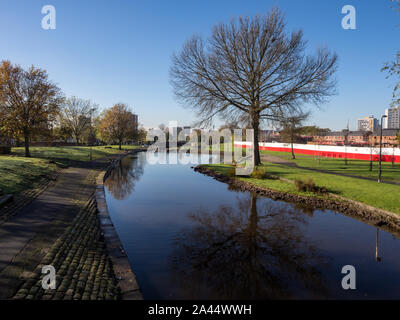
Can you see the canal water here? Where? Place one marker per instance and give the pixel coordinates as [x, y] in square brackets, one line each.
[189, 236]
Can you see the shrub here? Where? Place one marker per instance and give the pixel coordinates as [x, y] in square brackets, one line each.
[5, 149]
[259, 173]
[231, 172]
[308, 185]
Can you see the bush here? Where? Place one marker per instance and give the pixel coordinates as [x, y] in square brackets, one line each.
[231, 172]
[5, 149]
[308, 186]
[259, 173]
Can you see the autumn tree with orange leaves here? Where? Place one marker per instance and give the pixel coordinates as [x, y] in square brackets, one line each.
[29, 101]
[118, 124]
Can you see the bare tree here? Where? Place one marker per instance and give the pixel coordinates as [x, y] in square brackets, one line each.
[393, 68]
[245, 251]
[292, 128]
[396, 5]
[251, 70]
[76, 114]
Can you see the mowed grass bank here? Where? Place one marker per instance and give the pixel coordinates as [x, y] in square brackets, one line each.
[359, 168]
[71, 153]
[18, 173]
[383, 196]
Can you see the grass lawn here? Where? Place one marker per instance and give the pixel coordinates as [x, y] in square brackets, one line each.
[383, 196]
[71, 153]
[358, 168]
[18, 174]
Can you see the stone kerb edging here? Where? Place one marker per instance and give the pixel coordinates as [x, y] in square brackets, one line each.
[126, 278]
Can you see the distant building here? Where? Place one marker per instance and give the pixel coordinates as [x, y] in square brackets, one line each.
[358, 138]
[393, 118]
[368, 124]
[136, 122]
[187, 129]
[269, 136]
[389, 138]
[344, 137]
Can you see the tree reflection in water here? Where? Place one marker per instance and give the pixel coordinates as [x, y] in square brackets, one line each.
[246, 252]
[123, 177]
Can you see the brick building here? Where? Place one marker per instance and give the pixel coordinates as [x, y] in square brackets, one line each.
[358, 138]
[389, 138]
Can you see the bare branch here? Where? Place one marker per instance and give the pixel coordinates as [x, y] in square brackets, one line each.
[250, 69]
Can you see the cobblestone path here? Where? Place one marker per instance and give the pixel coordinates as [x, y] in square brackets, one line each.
[32, 236]
[81, 263]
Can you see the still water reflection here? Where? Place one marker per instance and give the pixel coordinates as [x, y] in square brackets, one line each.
[190, 237]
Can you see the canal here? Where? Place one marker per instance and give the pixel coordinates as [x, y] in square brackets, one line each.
[188, 236]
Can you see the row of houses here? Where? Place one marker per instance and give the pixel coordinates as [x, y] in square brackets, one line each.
[358, 138]
[341, 138]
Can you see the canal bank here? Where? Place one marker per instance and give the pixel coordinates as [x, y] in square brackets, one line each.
[385, 220]
[60, 228]
[126, 279]
[191, 237]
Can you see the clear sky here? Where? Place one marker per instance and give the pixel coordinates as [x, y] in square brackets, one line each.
[120, 50]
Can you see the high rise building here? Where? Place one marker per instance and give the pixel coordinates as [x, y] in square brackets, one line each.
[393, 118]
[367, 124]
[135, 122]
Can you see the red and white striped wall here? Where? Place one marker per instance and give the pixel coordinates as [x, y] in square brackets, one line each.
[360, 153]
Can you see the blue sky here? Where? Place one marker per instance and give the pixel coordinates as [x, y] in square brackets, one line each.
[120, 51]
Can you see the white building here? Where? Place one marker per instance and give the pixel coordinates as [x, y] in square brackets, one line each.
[393, 118]
[368, 124]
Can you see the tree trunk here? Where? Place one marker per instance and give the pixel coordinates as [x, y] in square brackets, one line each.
[255, 124]
[120, 145]
[26, 137]
[291, 142]
[293, 155]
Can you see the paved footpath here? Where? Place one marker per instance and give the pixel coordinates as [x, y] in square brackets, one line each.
[26, 237]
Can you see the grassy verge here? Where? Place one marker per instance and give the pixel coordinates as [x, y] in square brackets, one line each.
[383, 196]
[63, 155]
[18, 173]
[359, 168]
